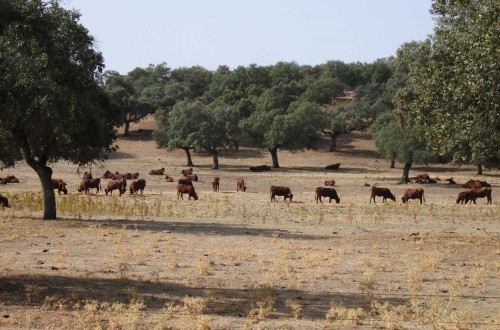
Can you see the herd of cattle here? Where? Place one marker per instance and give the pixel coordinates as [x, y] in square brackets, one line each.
[118, 181]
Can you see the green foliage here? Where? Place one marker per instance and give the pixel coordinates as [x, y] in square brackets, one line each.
[455, 77]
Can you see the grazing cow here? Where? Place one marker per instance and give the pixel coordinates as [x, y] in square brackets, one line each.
[60, 185]
[87, 175]
[86, 185]
[4, 201]
[240, 185]
[185, 189]
[161, 171]
[383, 192]
[281, 191]
[413, 194]
[107, 175]
[191, 177]
[120, 184]
[185, 182]
[215, 183]
[187, 171]
[465, 196]
[136, 186]
[169, 178]
[260, 168]
[332, 167]
[330, 183]
[481, 193]
[326, 192]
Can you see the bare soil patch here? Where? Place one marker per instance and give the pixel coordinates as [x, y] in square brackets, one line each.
[237, 260]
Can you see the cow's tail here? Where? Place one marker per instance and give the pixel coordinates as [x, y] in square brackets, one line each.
[423, 195]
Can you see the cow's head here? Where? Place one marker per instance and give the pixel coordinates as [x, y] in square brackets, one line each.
[290, 195]
[403, 199]
[62, 187]
[337, 200]
[393, 198]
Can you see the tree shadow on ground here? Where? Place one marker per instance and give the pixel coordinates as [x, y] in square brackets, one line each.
[32, 291]
[190, 227]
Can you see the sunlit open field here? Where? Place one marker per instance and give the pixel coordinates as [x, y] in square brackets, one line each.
[238, 260]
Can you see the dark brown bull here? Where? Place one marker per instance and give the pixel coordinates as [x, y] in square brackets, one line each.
[185, 182]
[86, 185]
[107, 175]
[413, 194]
[215, 183]
[11, 179]
[240, 185]
[187, 171]
[161, 171]
[281, 191]
[4, 201]
[481, 193]
[120, 185]
[60, 185]
[136, 186]
[383, 192]
[466, 196]
[330, 183]
[169, 178]
[260, 168]
[332, 167]
[185, 189]
[326, 192]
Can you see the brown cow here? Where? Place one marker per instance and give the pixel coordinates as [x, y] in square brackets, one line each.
[161, 171]
[185, 189]
[421, 178]
[4, 201]
[169, 178]
[187, 171]
[450, 180]
[185, 182]
[281, 191]
[87, 175]
[3, 180]
[191, 177]
[481, 193]
[107, 175]
[332, 167]
[383, 192]
[11, 179]
[60, 185]
[86, 185]
[134, 175]
[326, 192]
[413, 194]
[120, 184]
[475, 184]
[260, 168]
[136, 186]
[215, 183]
[465, 196]
[330, 183]
[240, 185]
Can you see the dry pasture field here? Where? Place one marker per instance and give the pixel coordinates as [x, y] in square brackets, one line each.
[237, 260]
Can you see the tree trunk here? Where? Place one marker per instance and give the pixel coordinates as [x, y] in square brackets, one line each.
[393, 162]
[188, 156]
[215, 157]
[127, 127]
[49, 198]
[479, 169]
[406, 173]
[333, 144]
[274, 156]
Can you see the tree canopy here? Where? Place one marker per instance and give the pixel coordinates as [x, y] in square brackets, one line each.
[51, 104]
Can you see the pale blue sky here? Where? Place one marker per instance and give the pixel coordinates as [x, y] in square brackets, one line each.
[135, 33]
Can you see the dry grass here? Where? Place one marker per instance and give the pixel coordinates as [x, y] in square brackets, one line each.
[236, 260]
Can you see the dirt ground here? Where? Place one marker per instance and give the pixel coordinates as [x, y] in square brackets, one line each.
[237, 260]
